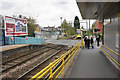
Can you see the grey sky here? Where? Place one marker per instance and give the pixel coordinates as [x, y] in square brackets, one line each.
[46, 12]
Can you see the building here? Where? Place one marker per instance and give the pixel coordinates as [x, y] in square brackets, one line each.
[98, 27]
[38, 31]
[49, 32]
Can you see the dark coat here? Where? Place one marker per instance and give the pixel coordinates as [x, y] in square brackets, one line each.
[92, 40]
[97, 38]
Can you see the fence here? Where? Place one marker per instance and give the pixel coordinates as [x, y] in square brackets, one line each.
[2, 37]
[58, 66]
[21, 40]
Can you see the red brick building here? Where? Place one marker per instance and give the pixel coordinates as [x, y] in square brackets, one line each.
[98, 26]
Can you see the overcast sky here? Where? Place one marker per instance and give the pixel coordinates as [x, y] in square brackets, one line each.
[46, 12]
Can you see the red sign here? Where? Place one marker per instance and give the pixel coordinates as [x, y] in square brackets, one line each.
[15, 26]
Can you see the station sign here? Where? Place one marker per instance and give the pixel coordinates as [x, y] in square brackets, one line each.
[15, 26]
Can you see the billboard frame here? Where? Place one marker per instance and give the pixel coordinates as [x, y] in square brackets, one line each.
[14, 31]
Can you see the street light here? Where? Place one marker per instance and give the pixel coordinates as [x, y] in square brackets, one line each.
[69, 29]
[61, 25]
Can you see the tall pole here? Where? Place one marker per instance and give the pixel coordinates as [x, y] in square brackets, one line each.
[69, 29]
[86, 27]
[79, 27]
[89, 26]
[61, 25]
[103, 32]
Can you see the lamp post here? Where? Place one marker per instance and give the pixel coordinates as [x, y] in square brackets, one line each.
[61, 25]
[89, 26]
[69, 29]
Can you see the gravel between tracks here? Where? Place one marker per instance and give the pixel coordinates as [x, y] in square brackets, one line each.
[19, 70]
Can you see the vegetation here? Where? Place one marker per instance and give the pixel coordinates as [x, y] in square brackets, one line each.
[76, 23]
[90, 32]
[31, 26]
[66, 26]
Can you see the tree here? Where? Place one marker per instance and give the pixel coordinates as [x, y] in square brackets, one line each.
[76, 23]
[92, 29]
[66, 27]
[31, 26]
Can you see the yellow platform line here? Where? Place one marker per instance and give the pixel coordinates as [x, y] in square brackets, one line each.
[111, 50]
[110, 57]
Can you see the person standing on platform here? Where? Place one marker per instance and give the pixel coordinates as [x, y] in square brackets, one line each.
[85, 40]
[83, 43]
[88, 42]
[92, 42]
[97, 39]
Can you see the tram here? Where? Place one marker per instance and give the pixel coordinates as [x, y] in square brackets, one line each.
[79, 33]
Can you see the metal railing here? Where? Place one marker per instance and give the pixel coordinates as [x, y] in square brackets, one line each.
[54, 69]
[109, 55]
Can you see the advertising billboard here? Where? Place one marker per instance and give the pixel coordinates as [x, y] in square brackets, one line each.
[15, 26]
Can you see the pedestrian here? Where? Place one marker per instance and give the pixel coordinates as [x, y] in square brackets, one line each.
[97, 39]
[85, 40]
[99, 36]
[88, 42]
[91, 41]
[83, 43]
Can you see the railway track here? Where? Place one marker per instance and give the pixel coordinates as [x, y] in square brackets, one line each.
[23, 66]
[27, 75]
[6, 57]
[10, 64]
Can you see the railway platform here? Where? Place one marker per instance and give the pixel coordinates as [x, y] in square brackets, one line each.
[82, 63]
[8, 47]
[92, 63]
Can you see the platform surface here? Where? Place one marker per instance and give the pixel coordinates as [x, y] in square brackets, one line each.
[92, 63]
[63, 42]
[8, 47]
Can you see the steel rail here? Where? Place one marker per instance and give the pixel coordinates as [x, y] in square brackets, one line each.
[39, 64]
[5, 70]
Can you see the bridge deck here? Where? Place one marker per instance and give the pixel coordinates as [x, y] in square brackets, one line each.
[91, 63]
